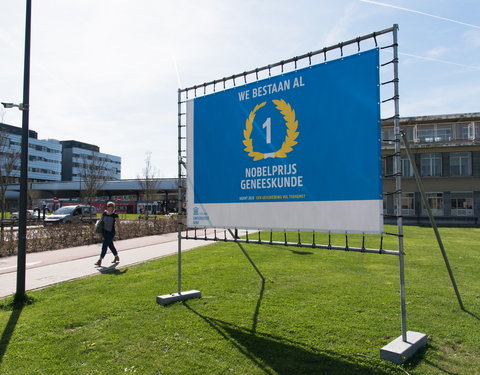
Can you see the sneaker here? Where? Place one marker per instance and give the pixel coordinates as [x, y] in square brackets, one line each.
[116, 260]
[98, 263]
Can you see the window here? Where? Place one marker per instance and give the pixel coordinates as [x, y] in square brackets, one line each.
[463, 131]
[444, 133]
[431, 164]
[387, 135]
[409, 131]
[433, 133]
[388, 165]
[435, 200]
[462, 204]
[5, 141]
[460, 164]
[407, 169]
[408, 204]
[426, 133]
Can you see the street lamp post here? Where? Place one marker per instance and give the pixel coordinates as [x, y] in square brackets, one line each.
[22, 214]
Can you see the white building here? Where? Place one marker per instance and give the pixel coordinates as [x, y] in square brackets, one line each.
[77, 155]
[53, 160]
[44, 156]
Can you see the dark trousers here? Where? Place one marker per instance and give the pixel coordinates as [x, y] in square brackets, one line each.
[108, 243]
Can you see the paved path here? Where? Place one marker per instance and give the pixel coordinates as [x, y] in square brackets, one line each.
[51, 267]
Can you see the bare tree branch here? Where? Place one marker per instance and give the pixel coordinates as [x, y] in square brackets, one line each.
[148, 181]
[2, 114]
[9, 169]
[93, 175]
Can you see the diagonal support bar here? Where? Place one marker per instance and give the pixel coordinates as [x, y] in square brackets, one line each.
[430, 216]
[248, 256]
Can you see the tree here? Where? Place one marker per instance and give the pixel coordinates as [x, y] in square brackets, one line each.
[2, 114]
[9, 169]
[93, 172]
[148, 181]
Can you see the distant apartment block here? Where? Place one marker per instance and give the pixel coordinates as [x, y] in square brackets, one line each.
[446, 152]
[45, 156]
[53, 160]
[76, 155]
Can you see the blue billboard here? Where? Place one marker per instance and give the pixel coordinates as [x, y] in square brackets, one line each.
[297, 141]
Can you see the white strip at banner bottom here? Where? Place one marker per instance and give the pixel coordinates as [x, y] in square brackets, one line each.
[363, 216]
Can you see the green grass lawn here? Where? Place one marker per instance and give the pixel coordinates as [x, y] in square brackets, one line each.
[319, 312]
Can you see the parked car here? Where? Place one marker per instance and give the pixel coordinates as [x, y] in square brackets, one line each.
[71, 214]
[31, 214]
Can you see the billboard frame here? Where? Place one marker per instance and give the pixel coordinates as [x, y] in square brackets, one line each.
[409, 341]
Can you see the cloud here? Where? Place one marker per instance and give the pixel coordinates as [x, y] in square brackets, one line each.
[437, 52]
[421, 13]
[107, 72]
[453, 63]
[472, 37]
[439, 100]
[342, 27]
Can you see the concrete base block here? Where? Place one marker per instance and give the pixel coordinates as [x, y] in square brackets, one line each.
[399, 351]
[175, 297]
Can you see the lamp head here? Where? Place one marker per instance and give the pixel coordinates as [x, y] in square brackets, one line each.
[21, 106]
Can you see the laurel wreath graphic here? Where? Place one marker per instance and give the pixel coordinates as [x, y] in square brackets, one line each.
[292, 134]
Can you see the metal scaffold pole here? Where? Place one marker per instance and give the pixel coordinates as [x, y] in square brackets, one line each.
[180, 296]
[398, 185]
[405, 346]
[179, 196]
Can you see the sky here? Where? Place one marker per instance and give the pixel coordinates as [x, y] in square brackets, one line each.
[107, 72]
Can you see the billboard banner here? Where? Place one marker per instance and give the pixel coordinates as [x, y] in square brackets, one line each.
[299, 150]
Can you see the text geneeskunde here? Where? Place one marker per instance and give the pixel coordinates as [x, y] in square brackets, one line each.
[269, 177]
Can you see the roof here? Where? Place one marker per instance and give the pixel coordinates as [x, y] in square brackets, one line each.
[72, 189]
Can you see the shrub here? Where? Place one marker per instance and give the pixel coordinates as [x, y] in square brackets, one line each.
[69, 235]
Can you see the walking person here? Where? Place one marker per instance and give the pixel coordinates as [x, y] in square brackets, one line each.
[111, 222]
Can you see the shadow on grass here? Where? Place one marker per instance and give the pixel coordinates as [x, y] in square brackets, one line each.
[112, 270]
[16, 306]
[279, 355]
[440, 369]
[257, 307]
[420, 357]
[300, 252]
[297, 252]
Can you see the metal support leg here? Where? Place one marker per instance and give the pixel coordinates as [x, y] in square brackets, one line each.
[432, 219]
[179, 266]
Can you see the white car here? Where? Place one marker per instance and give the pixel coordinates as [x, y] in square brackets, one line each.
[71, 214]
[31, 214]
